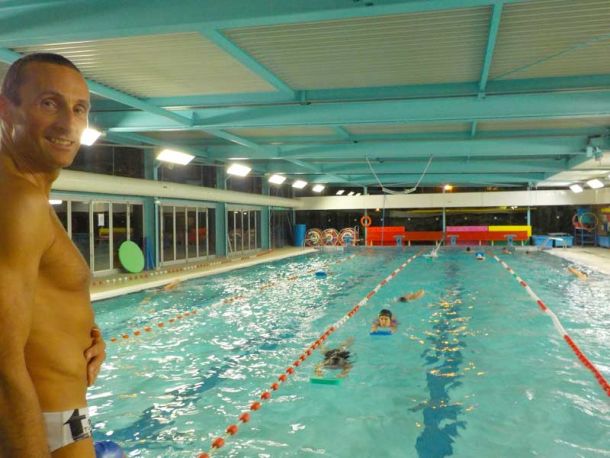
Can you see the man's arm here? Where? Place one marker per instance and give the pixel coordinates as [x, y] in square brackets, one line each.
[24, 237]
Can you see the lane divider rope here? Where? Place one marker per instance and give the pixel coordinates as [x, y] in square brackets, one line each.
[245, 417]
[560, 329]
[165, 324]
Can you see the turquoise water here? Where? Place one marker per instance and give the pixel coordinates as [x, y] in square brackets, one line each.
[475, 369]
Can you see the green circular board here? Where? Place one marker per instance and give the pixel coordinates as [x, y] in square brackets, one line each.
[131, 257]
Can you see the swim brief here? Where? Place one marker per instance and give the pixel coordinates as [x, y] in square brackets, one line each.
[64, 428]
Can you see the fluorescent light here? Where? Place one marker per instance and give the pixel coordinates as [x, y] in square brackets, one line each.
[318, 188]
[175, 157]
[239, 170]
[340, 192]
[56, 201]
[277, 179]
[358, 194]
[351, 193]
[595, 183]
[299, 184]
[448, 187]
[576, 188]
[89, 136]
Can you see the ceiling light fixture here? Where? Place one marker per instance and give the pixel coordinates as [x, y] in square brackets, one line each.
[595, 183]
[175, 157]
[576, 188]
[238, 169]
[277, 179]
[318, 188]
[56, 201]
[340, 192]
[89, 136]
[351, 193]
[299, 184]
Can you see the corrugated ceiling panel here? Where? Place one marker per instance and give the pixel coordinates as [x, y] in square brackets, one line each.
[548, 38]
[366, 129]
[418, 48]
[160, 66]
[284, 132]
[537, 124]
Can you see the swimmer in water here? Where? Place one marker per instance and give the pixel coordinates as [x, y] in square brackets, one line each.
[385, 320]
[336, 358]
[506, 250]
[578, 273]
[412, 296]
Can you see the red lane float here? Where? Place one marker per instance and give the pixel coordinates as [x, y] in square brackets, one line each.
[560, 329]
[266, 395]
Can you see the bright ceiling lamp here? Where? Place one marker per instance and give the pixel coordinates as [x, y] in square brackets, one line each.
[175, 157]
[299, 184]
[238, 169]
[351, 193]
[56, 201]
[318, 188]
[447, 187]
[89, 136]
[595, 183]
[358, 194]
[340, 192]
[576, 188]
[277, 179]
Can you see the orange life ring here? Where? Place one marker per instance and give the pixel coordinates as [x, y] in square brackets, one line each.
[365, 220]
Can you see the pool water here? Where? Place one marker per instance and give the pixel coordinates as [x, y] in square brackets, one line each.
[475, 368]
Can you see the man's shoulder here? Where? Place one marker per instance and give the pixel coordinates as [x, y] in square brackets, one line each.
[19, 196]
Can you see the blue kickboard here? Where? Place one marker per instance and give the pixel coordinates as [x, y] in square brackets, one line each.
[380, 332]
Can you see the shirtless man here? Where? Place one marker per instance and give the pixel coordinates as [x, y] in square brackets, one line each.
[50, 348]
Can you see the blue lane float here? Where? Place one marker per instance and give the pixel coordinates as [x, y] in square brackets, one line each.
[321, 274]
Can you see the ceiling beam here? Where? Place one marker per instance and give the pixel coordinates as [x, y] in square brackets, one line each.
[450, 109]
[494, 26]
[514, 147]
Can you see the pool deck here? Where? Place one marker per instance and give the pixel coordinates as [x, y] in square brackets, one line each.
[595, 258]
[123, 283]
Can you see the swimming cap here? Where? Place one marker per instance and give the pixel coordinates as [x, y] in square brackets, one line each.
[108, 449]
[385, 312]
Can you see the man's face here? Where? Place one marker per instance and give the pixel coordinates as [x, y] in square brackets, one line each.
[45, 127]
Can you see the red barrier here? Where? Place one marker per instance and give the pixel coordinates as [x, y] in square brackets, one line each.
[378, 235]
[424, 236]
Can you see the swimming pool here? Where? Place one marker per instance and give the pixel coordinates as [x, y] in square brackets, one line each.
[475, 368]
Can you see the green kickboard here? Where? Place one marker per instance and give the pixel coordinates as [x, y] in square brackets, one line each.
[131, 257]
[325, 381]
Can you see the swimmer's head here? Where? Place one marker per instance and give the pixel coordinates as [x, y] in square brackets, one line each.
[385, 318]
[467, 248]
[402, 298]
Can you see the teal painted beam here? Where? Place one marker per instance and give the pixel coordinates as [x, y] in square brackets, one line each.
[452, 177]
[390, 92]
[492, 35]
[447, 166]
[473, 129]
[518, 147]
[218, 38]
[54, 21]
[313, 168]
[457, 109]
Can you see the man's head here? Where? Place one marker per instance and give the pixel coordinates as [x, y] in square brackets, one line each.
[44, 106]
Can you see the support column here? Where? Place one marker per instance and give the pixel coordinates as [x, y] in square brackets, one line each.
[265, 220]
[151, 215]
[221, 217]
